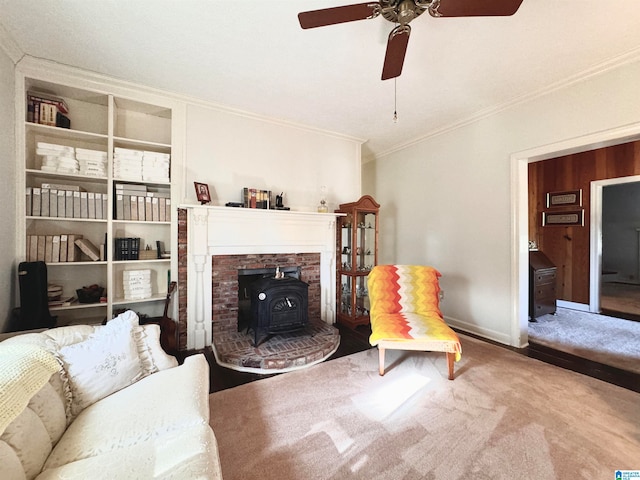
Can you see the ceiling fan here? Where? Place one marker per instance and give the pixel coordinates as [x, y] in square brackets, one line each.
[401, 12]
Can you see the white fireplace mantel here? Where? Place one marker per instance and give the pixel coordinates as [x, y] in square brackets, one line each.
[227, 231]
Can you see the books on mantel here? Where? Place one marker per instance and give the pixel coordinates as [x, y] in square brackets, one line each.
[255, 198]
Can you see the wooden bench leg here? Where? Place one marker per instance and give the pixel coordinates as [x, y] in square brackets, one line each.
[451, 357]
[381, 360]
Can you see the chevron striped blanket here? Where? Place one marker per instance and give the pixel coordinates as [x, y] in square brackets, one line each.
[405, 308]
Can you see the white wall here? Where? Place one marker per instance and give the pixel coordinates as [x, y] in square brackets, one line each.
[445, 201]
[8, 274]
[229, 151]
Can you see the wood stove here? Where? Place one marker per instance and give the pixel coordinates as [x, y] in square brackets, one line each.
[278, 305]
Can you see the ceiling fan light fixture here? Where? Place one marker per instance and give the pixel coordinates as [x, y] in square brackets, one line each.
[406, 12]
[401, 12]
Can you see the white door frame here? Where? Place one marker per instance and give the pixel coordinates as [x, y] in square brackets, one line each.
[595, 240]
[520, 212]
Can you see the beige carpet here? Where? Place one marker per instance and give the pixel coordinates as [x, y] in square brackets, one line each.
[505, 416]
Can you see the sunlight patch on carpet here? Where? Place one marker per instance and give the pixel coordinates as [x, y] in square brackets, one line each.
[361, 462]
[384, 400]
[340, 438]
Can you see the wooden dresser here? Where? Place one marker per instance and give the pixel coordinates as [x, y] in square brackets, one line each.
[542, 285]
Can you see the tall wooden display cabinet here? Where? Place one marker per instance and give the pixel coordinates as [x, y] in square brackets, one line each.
[356, 254]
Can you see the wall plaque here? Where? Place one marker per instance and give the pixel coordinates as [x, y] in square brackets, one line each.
[568, 218]
[570, 198]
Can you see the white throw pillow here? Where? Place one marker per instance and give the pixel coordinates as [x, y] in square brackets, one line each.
[107, 361]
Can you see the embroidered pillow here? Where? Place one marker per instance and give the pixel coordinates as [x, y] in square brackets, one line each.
[107, 361]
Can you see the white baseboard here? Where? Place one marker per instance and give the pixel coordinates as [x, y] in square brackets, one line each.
[572, 305]
[499, 337]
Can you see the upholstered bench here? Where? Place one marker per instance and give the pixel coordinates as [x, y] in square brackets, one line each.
[405, 312]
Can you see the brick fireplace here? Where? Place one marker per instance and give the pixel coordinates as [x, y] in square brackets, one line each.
[215, 242]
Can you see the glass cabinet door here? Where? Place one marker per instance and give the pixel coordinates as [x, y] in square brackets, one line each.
[345, 242]
[344, 294]
[366, 241]
[362, 297]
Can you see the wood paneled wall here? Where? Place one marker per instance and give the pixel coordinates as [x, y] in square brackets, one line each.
[568, 247]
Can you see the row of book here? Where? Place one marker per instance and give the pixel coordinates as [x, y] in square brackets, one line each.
[255, 198]
[62, 248]
[65, 159]
[141, 165]
[65, 201]
[134, 202]
[47, 109]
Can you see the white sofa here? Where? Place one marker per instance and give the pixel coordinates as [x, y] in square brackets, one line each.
[103, 402]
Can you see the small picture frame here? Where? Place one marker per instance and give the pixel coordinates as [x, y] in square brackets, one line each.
[567, 218]
[202, 192]
[569, 198]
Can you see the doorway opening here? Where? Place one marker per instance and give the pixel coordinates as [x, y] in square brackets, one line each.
[520, 212]
[615, 252]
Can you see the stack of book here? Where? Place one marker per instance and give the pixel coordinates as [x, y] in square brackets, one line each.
[127, 163]
[127, 248]
[136, 284]
[69, 160]
[93, 163]
[57, 158]
[155, 167]
[54, 292]
[56, 298]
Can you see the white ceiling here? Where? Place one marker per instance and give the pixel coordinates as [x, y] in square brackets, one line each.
[253, 56]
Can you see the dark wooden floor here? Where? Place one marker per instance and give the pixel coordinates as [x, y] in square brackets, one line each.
[607, 373]
[354, 341]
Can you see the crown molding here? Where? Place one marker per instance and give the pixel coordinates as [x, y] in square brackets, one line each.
[272, 120]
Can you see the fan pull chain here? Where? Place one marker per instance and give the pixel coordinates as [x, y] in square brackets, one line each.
[395, 100]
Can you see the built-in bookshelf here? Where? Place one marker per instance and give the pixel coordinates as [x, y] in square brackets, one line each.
[89, 156]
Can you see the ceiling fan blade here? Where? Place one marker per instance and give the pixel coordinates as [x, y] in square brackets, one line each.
[396, 50]
[480, 8]
[331, 16]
